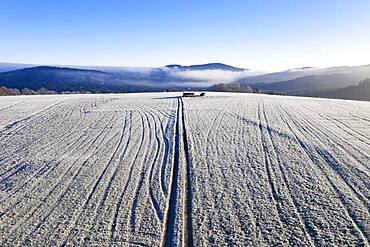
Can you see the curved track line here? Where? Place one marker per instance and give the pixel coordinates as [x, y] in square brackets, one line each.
[358, 226]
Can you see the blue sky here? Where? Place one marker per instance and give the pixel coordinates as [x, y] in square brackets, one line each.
[257, 34]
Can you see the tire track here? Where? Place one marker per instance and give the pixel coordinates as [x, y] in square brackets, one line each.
[56, 186]
[99, 179]
[44, 219]
[153, 200]
[337, 143]
[337, 122]
[130, 214]
[9, 106]
[140, 184]
[44, 150]
[44, 170]
[26, 147]
[187, 204]
[172, 204]
[360, 228]
[270, 180]
[171, 116]
[343, 171]
[161, 149]
[70, 235]
[305, 226]
[120, 200]
[170, 213]
[13, 126]
[165, 158]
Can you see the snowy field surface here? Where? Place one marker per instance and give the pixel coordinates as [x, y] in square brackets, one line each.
[159, 170]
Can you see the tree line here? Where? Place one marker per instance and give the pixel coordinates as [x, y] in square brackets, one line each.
[4, 91]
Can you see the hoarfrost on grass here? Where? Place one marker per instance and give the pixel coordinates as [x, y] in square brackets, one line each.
[253, 170]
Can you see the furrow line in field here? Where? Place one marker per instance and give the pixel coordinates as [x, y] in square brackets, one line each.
[337, 123]
[358, 117]
[52, 209]
[41, 149]
[26, 147]
[155, 109]
[162, 149]
[10, 127]
[355, 219]
[128, 180]
[67, 171]
[168, 130]
[343, 172]
[41, 171]
[159, 147]
[270, 180]
[9, 106]
[164, 162]
[44, 170]
[153, 200]
[305, 227]
[187, 197]
[139, 193]
[213, 129]
[170, 212]
[238, 134]
[144, 163]
[112, 178]
[102, 174]
[21, 148]
[345, 129]
[107, 189]
[338, 144]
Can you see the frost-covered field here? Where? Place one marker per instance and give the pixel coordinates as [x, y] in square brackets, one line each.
[155, 169]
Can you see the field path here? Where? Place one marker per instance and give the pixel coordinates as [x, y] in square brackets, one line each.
[181, 163]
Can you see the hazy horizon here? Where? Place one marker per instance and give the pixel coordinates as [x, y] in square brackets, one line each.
[255, 70]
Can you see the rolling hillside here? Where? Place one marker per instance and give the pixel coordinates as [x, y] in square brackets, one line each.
[313, 83]
[359, 92]
[68, 79]
[304, 81]
[208, 66]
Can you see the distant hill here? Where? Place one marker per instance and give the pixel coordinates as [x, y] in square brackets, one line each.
[291, 74]
[307, 81]
[4, 67]
[113, 79]
[208, 66]
[313, 83]
[67, 79]
[359, 92]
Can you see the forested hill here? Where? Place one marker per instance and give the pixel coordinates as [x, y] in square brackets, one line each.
[360, 92]
[67, 79]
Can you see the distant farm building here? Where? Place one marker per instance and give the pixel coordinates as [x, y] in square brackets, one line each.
[187, 94]
[191, 94]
